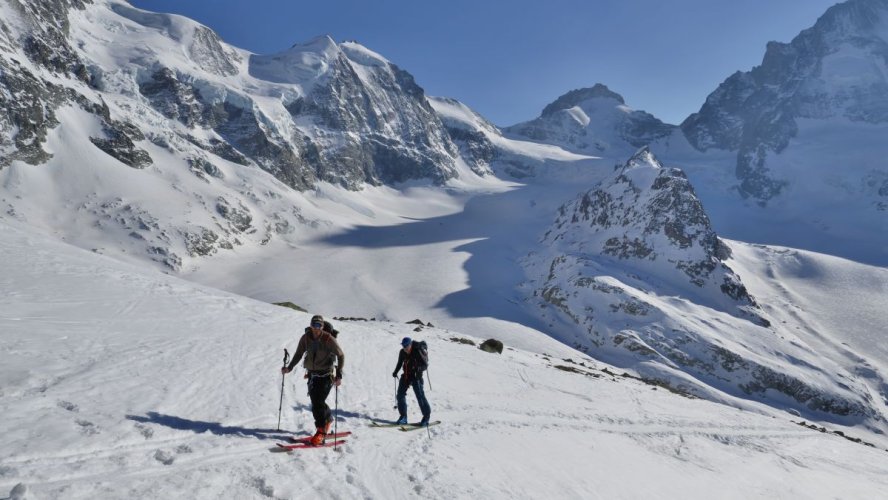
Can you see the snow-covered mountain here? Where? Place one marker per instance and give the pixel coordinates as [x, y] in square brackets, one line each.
[317, 111]
[650, 217]
[595, 121]
[791, 152]
[487, 149]
[118, 382]
[828, 84]
[806, 135]
[633, 271]
[132, 115]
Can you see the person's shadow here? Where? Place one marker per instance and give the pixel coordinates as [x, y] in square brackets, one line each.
[199, 427]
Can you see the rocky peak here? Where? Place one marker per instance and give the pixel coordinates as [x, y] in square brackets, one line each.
[829, 71]
[578, 96]
[354, 118]
[852, 18]
[593, 120]
[650, 216]
[641, 159]
[633, 270]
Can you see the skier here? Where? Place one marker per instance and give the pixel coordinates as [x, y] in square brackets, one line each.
[411, 358]
[320, 349]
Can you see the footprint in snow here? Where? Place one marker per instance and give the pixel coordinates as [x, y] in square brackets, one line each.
[145, 431]
[264, 488]
[88, 428]
[67, 405]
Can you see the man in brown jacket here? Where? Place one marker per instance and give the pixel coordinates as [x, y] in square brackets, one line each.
[320, 350]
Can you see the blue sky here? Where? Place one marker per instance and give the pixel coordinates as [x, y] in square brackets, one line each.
[507, 59]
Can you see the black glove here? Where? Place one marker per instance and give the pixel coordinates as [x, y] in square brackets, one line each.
[395, 374]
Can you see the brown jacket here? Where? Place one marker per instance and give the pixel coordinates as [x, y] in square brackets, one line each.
[319, 354]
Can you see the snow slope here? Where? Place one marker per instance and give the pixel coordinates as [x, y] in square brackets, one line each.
[121, 383]
[632, 272]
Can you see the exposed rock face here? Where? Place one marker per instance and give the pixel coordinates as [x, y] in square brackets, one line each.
[633, 271]
[238, 217]
[593, 120]
[650, 217]
[127, 87]
[486, 150]
[46, 41]
[471, 137]
[119, 144]
[29, 104]
[350, 116]
[388, 131]
[828, 72]
[208, 50]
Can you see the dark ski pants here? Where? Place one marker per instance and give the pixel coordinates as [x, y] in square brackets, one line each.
[417, 384]
[318, 389]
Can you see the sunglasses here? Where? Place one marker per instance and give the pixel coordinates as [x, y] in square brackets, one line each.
[317, 325]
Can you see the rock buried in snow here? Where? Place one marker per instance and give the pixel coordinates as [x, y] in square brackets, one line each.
[19, 492]
[492, 346]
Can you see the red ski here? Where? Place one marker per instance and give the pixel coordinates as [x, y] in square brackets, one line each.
[305, 439]
[301, 446]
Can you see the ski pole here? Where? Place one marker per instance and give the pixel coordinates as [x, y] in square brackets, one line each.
[429, 431]
[281, 407]
[335, 423]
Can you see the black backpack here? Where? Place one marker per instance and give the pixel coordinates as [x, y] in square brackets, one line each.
[421, 358]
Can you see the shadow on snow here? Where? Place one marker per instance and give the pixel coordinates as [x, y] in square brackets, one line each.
[199, 427]
[502, 238]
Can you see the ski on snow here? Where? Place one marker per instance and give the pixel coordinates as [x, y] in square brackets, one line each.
[403, 427]
[305, 439]
[416, 427]
[302, 446]
[384, 423]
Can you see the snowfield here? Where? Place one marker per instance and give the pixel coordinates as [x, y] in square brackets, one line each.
[119, 382]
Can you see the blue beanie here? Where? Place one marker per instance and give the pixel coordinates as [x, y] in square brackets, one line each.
[406, 341]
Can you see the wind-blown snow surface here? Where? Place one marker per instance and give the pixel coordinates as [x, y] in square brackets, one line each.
[118, 382]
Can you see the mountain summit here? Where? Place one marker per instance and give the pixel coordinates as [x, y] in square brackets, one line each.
[174, 129]
[633, 271]
[825, 91]
[648, 218]
[319, 111]
[593, 120]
